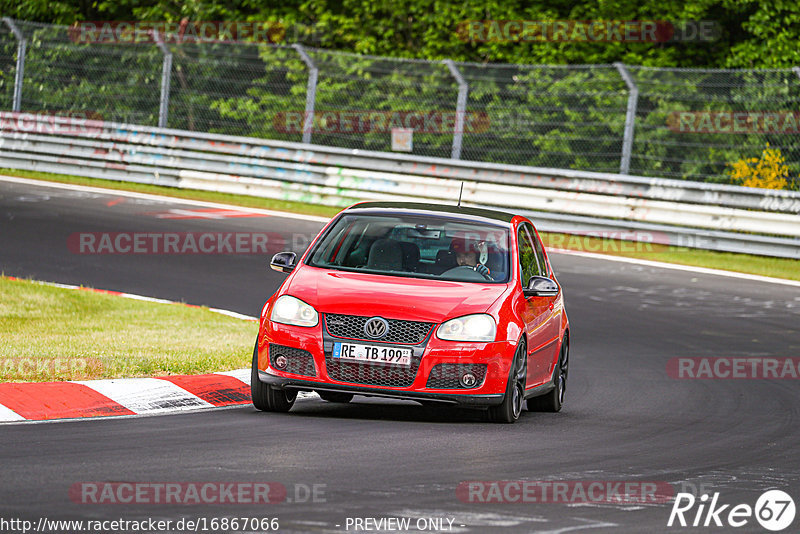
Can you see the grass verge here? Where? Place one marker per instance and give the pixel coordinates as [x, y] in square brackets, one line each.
[49, 333]
[743, 263]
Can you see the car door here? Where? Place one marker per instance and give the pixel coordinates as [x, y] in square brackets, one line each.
[538, 311]
[555, 304]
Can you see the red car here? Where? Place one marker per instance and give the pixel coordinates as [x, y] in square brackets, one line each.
[425, 302]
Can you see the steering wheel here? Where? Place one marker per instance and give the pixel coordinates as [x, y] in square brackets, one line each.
[464, 270]
[486, 274]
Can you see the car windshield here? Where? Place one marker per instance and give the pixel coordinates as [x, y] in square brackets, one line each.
[436, 247]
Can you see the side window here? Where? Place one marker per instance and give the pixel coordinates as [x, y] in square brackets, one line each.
[527, 256]
[539, 252]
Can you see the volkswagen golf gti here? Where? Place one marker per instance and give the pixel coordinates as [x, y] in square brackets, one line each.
[432, 303]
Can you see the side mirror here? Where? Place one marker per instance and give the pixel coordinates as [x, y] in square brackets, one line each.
[283, 262]
[541, 286]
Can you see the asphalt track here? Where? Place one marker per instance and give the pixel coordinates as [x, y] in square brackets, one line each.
[624, 417]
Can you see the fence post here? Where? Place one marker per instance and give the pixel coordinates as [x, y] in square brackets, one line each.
[630, 118]
[166, 76]
[796, 71]
[311, 92]
[461, 108]
[22, 46]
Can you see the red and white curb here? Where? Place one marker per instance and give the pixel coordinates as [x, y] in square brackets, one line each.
[40, 401]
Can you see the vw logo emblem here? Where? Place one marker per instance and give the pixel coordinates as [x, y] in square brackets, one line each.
[376, 327]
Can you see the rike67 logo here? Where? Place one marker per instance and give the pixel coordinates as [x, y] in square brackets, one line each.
[774, 510]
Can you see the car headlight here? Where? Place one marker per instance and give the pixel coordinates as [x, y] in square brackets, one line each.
[291, 310]
[478, 327]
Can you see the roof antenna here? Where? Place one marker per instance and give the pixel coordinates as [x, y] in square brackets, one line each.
[460, 193]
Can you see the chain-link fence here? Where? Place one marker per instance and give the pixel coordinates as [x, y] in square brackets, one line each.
[730, 115]
[677, 123]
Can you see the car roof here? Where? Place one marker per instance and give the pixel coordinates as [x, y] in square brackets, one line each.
[420, 207]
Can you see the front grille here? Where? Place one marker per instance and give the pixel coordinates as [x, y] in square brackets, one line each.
[299, 362]
[447, 375]
[372, 374]
[352, 327]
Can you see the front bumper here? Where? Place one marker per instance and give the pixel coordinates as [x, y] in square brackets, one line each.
[462, 399]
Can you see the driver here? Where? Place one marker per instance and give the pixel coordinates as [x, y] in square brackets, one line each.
[467, 255]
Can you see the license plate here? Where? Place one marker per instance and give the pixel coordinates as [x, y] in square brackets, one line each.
[372, 354]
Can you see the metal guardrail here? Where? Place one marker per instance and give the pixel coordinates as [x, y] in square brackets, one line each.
[691, 214]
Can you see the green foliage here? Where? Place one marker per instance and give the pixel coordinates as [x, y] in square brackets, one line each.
[772, 29]
[545, 116]
[754, 33]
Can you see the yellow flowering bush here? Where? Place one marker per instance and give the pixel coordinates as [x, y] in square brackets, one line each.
[767, 172]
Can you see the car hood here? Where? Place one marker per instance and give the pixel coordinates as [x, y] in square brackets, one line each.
[392, 297]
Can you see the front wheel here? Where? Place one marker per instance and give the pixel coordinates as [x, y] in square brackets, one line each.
[554, 400]
[266, 397]
[511, 408]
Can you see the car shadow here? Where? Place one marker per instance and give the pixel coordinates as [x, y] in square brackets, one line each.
[363, 408]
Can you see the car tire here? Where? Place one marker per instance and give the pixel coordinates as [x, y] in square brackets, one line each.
[513, 400]
[554, 400]
[335, 396]
[266, 397]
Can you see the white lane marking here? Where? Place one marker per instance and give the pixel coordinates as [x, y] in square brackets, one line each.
[240, 374]
[130, 296]
[676, 267]
[147, 395]
[472, 519]
[205, 214]
[7, 414]
[234, 314]
[624, 508]
[312, 218]
[174, 200]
